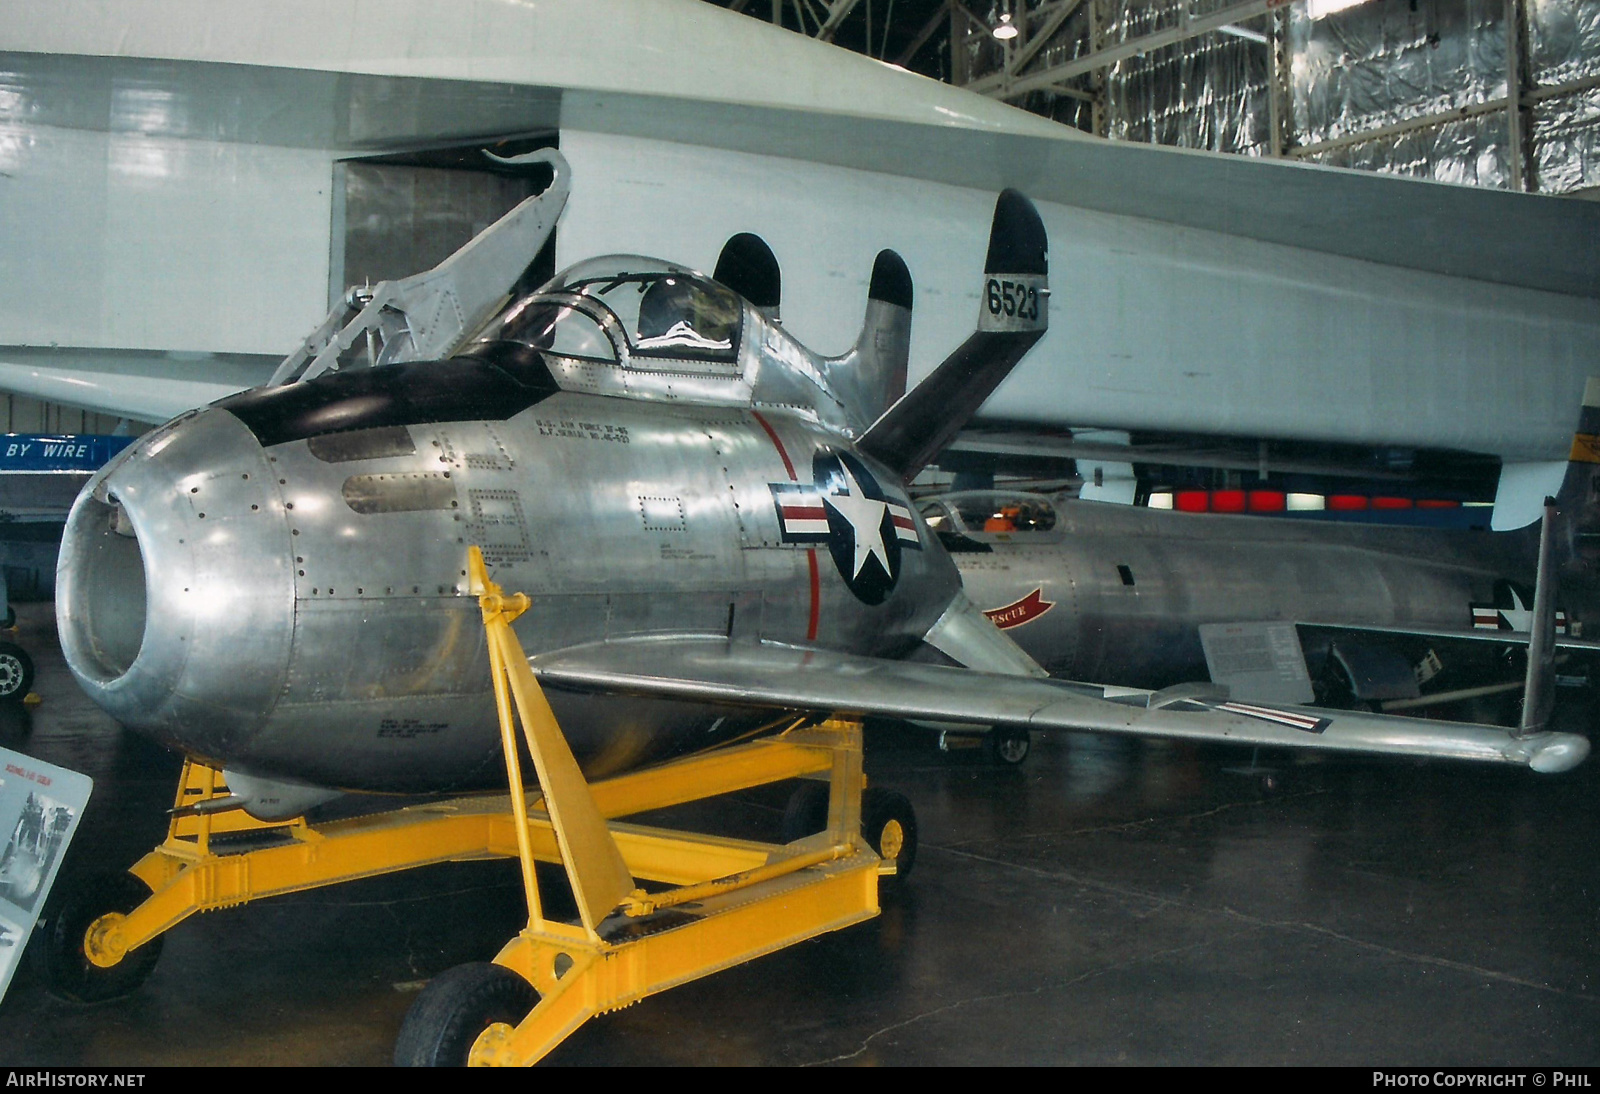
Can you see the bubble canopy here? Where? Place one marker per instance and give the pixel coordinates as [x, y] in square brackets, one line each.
[624, 305]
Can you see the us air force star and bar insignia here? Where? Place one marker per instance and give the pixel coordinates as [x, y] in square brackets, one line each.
[845, 507]
[1511, 610]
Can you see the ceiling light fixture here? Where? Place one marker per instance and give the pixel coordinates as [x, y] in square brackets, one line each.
[1241, 32]
[1007, 30]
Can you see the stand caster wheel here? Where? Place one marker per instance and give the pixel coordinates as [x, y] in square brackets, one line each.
[16, 671]
[455, 1009]
[807, 811]
[889, 825]
[1009, 746]
[59, 943]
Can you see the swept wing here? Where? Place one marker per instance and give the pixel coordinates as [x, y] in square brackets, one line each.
[762, 674]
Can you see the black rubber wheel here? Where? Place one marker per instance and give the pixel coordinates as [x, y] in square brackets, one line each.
[455, 1008]
[1009, 745]
[58, 941]
[16, 671]
[889, 825]
[807, 811]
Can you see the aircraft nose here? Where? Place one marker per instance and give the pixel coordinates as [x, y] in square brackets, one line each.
[176, 570]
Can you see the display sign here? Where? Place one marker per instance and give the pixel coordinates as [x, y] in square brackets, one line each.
[58, 451]
[40, 805]
[1257, 662]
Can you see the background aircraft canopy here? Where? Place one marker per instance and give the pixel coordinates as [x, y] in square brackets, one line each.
[989, 511]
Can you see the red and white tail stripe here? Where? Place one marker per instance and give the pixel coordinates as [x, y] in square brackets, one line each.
[1280, 717]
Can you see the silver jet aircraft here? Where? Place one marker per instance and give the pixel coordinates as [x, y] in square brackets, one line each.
[1281, 610]
[711, 520]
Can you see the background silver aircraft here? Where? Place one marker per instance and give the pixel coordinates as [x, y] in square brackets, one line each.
[710, 518]
[1279, 610]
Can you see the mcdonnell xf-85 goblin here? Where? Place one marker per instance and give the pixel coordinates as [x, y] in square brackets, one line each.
[711, 520]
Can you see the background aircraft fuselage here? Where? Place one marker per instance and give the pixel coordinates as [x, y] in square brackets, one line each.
[1129, 587]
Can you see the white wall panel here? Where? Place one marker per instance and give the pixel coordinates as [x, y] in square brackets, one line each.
[1153, 325]
[125, 241]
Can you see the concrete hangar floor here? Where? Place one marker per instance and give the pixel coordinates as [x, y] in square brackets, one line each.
[1107, 902]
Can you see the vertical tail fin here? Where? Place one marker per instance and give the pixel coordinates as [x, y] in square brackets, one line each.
[748, 267]
[872, 376]
[1011, 318]
[1578, 529]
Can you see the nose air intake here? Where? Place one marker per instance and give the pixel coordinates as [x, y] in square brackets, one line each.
[154, 617]
[103, 578]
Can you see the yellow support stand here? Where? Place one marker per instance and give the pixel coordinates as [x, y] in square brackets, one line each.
[632, 943]
[714, 902]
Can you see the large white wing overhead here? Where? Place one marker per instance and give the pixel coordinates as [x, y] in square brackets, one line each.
[789, 677]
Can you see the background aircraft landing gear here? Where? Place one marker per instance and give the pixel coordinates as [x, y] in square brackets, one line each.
[807, 811]
[16, 671]
[59, 942]
[455, 1009]
[1009, 745]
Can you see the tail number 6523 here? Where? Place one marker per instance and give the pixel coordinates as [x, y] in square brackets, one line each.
[1012, 299]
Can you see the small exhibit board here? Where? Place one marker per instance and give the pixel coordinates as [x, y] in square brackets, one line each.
[40, 805]
[1258, 662]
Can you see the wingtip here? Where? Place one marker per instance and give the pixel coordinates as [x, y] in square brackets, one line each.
[1558, 752]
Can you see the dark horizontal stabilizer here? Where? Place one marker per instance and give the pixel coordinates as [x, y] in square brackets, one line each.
[1011, 318]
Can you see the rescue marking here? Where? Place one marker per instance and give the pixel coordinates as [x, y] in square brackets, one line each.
[1022, 611]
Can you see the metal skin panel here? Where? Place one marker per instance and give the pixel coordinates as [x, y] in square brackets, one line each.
[1190, 569]
[160, 633]
[367, 664]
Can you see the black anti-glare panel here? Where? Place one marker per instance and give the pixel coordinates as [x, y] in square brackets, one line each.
[458, 390]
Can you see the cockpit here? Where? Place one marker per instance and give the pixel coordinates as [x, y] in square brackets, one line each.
[988, 511]
[639, 313]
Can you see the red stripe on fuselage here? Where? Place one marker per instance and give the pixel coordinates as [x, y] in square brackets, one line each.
[816, 595]
[776, 443]
[815, 615]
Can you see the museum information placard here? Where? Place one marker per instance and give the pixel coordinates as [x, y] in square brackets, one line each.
[40, 805]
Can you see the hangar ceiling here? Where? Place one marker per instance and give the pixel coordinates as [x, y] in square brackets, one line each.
[1409, 87]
